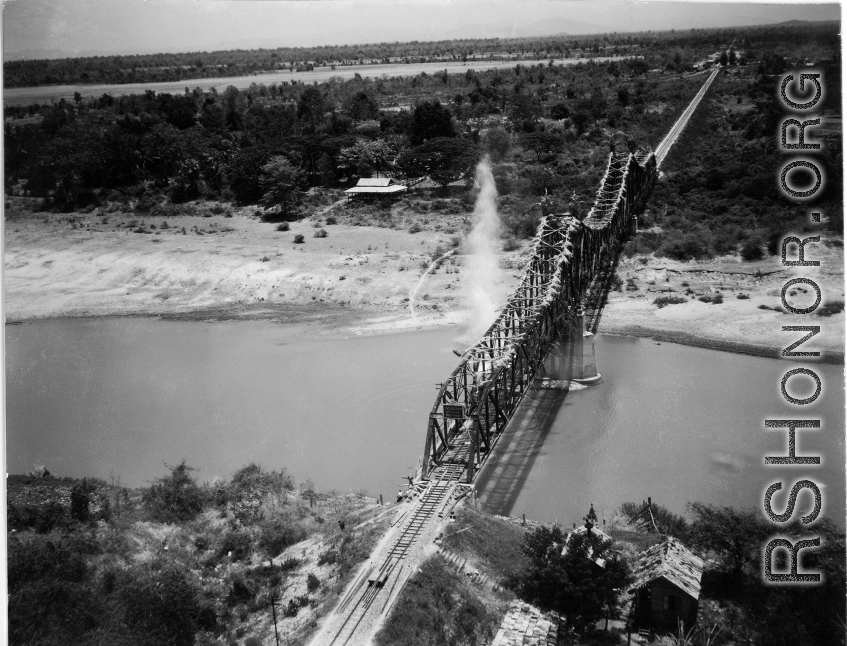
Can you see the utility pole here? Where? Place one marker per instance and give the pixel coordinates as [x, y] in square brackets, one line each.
[273, 610]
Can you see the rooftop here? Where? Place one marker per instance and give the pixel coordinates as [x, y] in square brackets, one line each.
[673, 561]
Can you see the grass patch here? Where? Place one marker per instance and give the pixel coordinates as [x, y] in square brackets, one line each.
[438, 606]
[496, 544]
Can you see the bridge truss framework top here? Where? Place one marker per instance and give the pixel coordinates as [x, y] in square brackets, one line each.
[476, 403]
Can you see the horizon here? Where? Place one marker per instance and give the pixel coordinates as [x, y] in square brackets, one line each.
[48, 29]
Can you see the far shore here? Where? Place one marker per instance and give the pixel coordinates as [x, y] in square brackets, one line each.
[359, 280]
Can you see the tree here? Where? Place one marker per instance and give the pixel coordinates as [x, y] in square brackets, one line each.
[497, 142]
[733, 57]
[734, 535]
[524, 109]
[430, 120]
[444, 159]
[175, 497]
[724, 59]
[573, 584]
[280, 181]
[542, 143]
[361, 106]
[311, 107]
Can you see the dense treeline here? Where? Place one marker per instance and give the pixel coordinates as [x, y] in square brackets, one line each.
[79, 154]
[805, 39]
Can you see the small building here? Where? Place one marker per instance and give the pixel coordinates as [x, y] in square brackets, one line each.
[666, 588]
[376, 187]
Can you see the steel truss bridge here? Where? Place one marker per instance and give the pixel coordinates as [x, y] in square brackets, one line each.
[476, 402]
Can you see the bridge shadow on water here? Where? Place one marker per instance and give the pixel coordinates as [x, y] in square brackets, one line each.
[504, 475]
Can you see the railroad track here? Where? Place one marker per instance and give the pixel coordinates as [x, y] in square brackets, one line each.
[434, 501]
[663, 148]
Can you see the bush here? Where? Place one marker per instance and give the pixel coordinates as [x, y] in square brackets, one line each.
[742, 297]
[716, 299]
[752, 250]
[830, 307]
[321, 233]
[415, 228]
[235, 544]
[288, 564]
[175, 497]
[312, 583]
[664, 301]
[329, 557]
[277, 533]
[330, 219]
[510, 244]
[299, 239]
[283, 226]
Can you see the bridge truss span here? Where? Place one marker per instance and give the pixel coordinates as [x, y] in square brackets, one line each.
[476, 403]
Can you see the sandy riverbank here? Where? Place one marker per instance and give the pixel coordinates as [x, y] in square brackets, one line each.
[359, 279]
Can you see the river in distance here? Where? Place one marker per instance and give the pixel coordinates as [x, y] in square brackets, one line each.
[122, 396]
[47, 93]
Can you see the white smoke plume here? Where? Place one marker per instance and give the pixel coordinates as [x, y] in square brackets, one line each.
[483, 291]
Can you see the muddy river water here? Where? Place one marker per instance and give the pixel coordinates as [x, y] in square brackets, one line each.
[122, 396]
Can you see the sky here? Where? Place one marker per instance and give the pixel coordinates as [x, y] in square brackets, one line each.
[57, 28]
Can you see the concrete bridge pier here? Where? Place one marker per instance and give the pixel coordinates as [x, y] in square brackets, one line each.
[572, 358]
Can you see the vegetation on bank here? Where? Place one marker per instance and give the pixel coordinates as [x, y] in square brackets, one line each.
[178, 562]
[186, 563]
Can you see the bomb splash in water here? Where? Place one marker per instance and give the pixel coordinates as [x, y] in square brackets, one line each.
[483, 284]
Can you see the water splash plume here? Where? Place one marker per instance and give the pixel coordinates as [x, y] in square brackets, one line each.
[483, 285]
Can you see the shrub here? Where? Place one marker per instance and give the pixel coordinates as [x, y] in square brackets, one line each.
[321, 233]
[415, 228]
[299, 239]
[288, 564]
[330, 219]
[752, 250]
[235, 544]
[664, 301]
[830, 307]
[510, 244]
[175, 497]
[328, 557]
[716, 299]
[277, 533]
[312, 583]
[742, 297]
[617, 283]
[283, 226]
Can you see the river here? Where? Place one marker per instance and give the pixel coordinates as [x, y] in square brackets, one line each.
[48, 93]
[94, 397]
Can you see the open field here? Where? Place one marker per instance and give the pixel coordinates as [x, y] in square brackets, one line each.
[48, 93]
